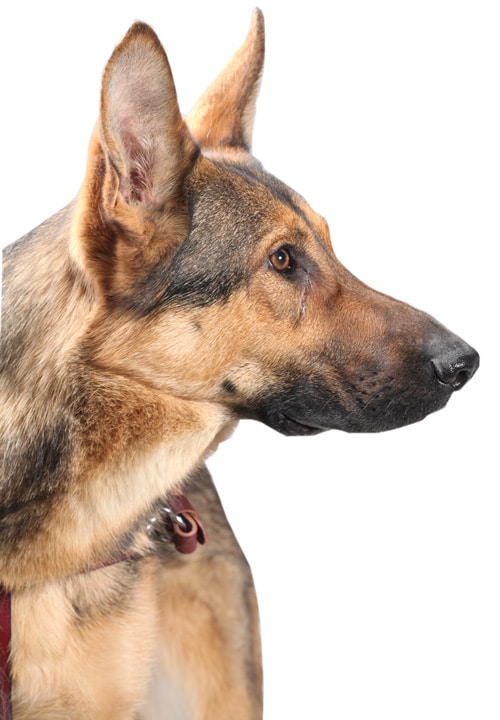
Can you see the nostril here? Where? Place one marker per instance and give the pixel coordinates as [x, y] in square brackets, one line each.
[456, 370]
[461, 378]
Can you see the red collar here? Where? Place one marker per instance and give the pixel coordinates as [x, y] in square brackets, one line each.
[177, 523]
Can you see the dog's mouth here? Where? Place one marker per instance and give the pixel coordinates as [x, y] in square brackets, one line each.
[291, 420]
[288, 425]
[311, 409]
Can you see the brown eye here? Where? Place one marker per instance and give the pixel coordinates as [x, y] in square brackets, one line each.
[281, 260]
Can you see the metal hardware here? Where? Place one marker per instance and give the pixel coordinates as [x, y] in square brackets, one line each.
[162, 526]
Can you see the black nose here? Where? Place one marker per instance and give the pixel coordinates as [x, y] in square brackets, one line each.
[456, 367]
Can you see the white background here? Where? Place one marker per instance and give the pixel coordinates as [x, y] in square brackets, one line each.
[376, 558]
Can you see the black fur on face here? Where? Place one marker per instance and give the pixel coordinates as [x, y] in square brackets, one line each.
[228, 217]
[309, 406]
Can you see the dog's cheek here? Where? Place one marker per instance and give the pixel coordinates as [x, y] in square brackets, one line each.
[281, 302]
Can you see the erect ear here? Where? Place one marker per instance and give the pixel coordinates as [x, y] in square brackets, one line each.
[132, 199]
[223, 117]
[141, 127]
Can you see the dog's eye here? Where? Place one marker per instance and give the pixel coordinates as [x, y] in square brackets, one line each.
[281, 260]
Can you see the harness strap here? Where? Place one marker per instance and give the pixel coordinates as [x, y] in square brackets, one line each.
[177, 523]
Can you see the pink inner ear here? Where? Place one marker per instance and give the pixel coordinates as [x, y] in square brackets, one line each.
[137, 185]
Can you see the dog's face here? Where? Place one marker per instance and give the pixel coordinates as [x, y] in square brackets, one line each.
[226, 279]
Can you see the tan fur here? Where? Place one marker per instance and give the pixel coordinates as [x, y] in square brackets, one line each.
[224, 115]
[158, 318]
[85, 671]
[128, 429]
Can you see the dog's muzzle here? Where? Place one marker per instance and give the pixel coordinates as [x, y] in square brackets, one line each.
[380, 396]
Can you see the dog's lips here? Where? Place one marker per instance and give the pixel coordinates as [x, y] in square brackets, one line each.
[313, 410]
[290, 426]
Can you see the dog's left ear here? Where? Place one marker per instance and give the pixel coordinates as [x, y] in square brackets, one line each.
[223, 116]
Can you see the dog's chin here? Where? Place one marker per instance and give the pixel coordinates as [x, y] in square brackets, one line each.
[287, 425]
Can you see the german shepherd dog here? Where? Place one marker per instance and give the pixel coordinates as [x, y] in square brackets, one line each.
[184, 289]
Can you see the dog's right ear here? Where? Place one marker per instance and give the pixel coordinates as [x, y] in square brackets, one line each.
[140, 155]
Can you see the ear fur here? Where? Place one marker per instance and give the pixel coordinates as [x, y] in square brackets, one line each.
[132, 202]
[140, 121]
[223, 117]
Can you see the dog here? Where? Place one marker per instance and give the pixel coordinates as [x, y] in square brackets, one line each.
[183, 290]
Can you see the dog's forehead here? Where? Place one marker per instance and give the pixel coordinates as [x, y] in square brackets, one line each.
[235, 187]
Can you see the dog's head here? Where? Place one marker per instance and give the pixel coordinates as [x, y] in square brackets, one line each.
[214, 281]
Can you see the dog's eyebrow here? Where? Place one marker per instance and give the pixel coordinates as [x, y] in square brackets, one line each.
[278, 189]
